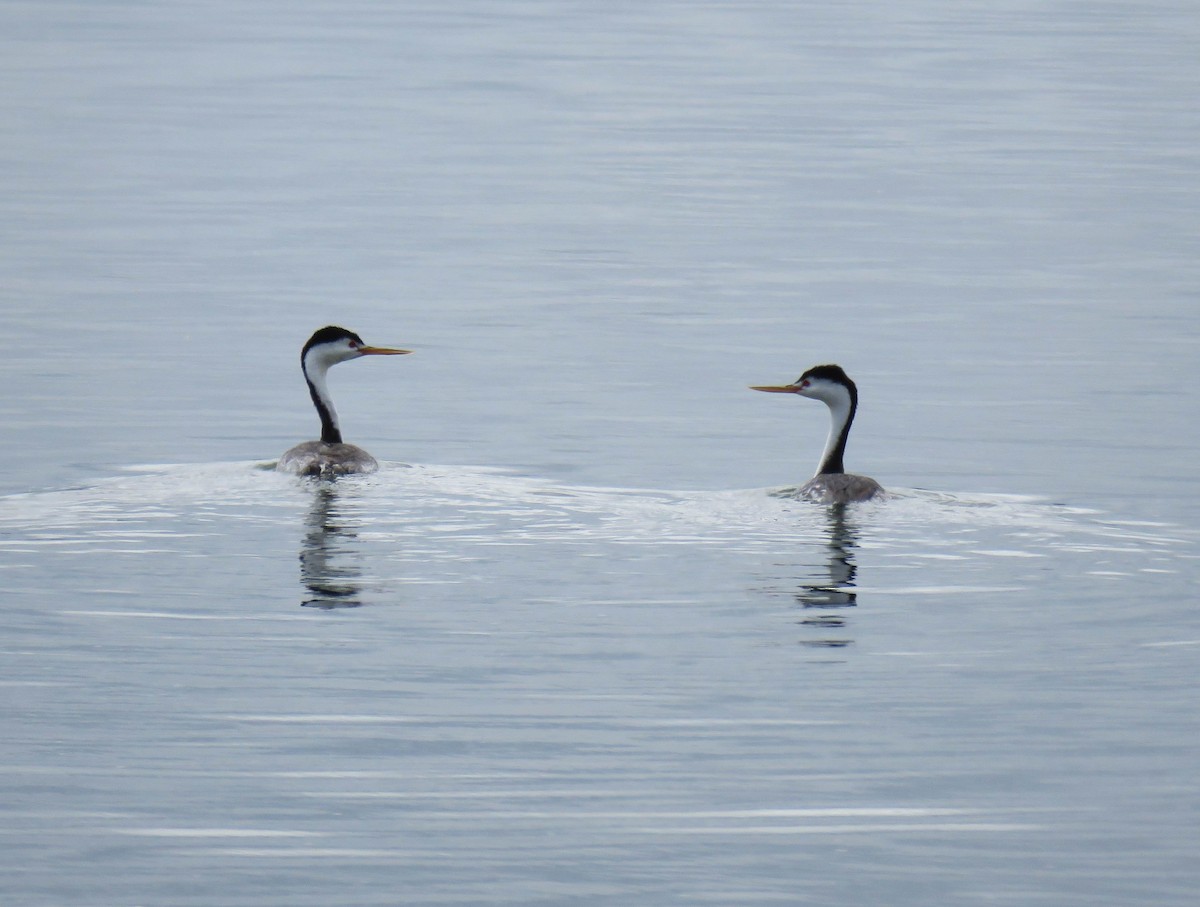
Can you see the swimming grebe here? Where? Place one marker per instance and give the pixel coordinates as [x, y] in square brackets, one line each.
[832, 484]
[330, 456]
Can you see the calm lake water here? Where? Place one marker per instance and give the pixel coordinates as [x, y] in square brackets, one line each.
[568, 646]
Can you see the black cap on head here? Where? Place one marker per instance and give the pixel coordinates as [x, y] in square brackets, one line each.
[330, 334]
[827, 373]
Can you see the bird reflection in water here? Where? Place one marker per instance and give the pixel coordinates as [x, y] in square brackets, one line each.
[327, 556]
[838, 592]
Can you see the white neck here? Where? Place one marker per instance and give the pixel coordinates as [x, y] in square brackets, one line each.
[841, 411]
[316, 367]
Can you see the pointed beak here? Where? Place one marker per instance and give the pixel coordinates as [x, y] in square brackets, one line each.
[381, 351]
[777, 389]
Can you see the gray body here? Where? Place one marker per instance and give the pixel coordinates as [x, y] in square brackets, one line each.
[839, 488]
[320, 458]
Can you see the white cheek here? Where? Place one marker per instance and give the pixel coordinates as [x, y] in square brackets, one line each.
[832, 395]
[322, 358]
[816, 392]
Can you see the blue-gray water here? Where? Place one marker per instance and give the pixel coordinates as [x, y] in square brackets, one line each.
[574, 651]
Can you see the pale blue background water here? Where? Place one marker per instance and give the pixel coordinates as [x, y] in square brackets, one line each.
[591, 659]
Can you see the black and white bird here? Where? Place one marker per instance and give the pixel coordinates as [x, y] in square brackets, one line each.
[330, 456]
[832, 484]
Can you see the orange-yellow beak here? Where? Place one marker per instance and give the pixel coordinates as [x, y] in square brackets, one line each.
[777, 389]
[381, 351]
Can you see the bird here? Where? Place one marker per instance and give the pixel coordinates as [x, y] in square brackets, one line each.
[330, 456]
[832, 484]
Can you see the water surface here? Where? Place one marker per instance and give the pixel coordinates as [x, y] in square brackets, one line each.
[569, 646]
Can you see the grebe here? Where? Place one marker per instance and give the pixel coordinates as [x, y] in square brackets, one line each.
[330, 456]
[832, 484]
